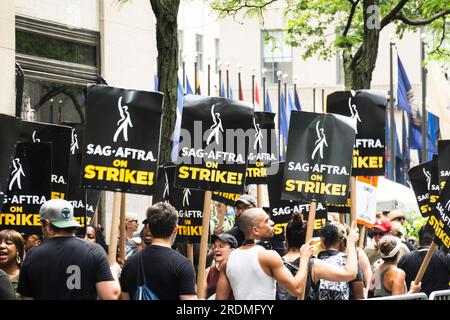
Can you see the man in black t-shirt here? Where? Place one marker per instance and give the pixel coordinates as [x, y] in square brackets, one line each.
[168, 274]
[436, 277]
[65, 267]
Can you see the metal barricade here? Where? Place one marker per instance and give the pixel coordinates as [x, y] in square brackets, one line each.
[440, 295]
[409, 296]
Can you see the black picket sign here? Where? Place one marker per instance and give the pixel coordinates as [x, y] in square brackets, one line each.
[281, 211]
[368, 109]
[187, 202]
[9, 133]
[121, 146]
[226, 198]
[263, 148]
[424, 180]
[443, 161]
[59, 138]
[439, 220]
[319, 157]
[29, 187]
[214, 144]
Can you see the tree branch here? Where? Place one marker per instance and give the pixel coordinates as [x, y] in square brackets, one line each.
[438, 48]
[391, 15]
[421, 22]
[350, 17]
[234, 10]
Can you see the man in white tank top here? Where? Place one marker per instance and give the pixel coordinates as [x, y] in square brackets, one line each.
[251, 270]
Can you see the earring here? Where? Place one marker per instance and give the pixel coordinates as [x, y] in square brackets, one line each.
[18, 260]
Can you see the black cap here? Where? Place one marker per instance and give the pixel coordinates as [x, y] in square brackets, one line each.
[226, 237]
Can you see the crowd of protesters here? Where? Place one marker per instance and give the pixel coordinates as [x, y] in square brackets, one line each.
[246, 261]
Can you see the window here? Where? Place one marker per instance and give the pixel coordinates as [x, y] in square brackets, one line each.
[57, 63]
[277, 56]
[217, 57]
[199, 49]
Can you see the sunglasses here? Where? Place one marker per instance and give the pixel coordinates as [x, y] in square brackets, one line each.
[400, 219]
[133, 221]
[379, 234]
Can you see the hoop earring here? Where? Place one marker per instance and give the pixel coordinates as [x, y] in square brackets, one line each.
[18, 260]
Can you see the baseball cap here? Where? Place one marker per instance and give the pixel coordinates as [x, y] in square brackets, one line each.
[382, 224]
[394, 214]
[59, 212]
[226, 237]
[247, 199]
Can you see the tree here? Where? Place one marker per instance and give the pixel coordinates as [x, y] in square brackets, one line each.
[166, 13]
[357, 26]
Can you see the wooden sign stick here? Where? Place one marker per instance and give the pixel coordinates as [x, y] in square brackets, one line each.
[123, 236]
[190, 251]
[362, 236]
[204, 244]
[425, 263]
[352, 199]
[259, 195]
[114, 229]
[311, 218]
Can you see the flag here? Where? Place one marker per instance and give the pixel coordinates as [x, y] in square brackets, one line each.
[298, 106]
[438, 97]
[197, 84]
[241, 93]
[230, 94]
[415, 136]
[222, 91]
[188, 87]
[176, 130]
[156, 82]
[404, 89]
[283, 120]
[268, 104]
[406, 157]
[291, 107]
[256, 106]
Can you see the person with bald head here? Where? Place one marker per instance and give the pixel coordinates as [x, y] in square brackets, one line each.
[251, 271]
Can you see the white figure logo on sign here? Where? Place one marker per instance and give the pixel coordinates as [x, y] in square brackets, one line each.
[124, 122]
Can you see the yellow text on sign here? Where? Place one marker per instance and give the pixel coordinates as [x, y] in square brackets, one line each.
[317, 187]
[211, 175]
[119, 174]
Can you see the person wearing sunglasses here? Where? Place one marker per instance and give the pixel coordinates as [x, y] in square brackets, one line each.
[397, 215]
[381, 228]
[131, 226]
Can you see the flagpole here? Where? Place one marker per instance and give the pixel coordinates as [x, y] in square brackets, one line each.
[285, 76]
[295, 88]
[195, 76]
[314, 96]
[279, 111]
[391, 111]
[424, 99]
[219, 65]
[184, 73]
[239, 66]
[323, 97]
[228, 80]
[263, 71]
[253, 87]
[209, 76]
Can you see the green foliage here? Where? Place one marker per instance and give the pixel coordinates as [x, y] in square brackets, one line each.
[318, 25]
[412, 226]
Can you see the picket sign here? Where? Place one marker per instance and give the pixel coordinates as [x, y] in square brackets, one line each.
[259, 195]
[311, 219]
[123, 235]
[425, 263]
[353, 196]
[204, 243]
[190, 251]
[114, 228]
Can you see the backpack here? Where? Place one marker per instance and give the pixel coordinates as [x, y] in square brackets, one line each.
[330, 290]
[143, 292]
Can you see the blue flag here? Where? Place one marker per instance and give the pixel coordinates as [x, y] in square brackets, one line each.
[222, 91]
[176, 130]
[188, 87]
[268, 107]
[283, 120]
[298, 106]
[230, 94]
[406, 157]
[156, 81]
[403, 87]
[291, 107]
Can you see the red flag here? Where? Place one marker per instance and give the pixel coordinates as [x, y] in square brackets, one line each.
[256, 107]
[241, 94]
